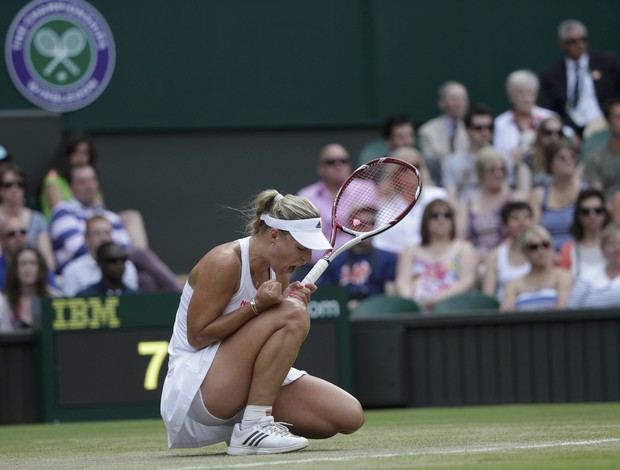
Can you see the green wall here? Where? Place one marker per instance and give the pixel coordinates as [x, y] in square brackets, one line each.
[239, 64]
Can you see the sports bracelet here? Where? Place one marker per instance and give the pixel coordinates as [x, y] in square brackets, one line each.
[253, 306]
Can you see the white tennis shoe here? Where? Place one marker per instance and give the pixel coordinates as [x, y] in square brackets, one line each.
[265, 437]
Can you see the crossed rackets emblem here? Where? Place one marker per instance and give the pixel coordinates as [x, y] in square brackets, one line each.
[60, 48]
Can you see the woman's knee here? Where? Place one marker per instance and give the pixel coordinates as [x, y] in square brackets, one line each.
[294, 317]
[352, 417]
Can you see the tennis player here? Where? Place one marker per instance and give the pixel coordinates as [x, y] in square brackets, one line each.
[238, 330]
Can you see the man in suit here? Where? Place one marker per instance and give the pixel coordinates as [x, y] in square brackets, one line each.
[577, 86]
[446, 133]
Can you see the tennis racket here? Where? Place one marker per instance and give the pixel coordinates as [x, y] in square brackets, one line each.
[373, 199]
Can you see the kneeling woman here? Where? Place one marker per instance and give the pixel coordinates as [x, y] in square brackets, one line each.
[237, 333]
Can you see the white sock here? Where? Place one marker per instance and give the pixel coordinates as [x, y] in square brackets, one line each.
[253, 413]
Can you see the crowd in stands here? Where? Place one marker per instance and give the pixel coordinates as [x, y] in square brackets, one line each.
[71, 244]
[522, 206]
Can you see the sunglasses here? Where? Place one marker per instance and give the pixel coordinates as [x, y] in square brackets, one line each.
[591, 210]
[437, 214]
[14, 233]
[10, 184]
[550, 132]
[573, 41]
[114, 259]
[335, 161]
[480, 127]
[536, 246]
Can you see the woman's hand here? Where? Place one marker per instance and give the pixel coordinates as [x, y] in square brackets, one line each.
[269, 293]
[300, 292]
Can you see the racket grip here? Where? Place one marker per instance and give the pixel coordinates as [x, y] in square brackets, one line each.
[316, 271]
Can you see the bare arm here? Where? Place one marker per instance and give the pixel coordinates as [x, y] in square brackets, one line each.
[510, 297]
[489, 282]
[462, 224]
[214, 280]
[536, 202]
[52, 194]
[565, 284]
[403, 272]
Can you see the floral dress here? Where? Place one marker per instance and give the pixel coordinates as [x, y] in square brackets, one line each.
[431, 277]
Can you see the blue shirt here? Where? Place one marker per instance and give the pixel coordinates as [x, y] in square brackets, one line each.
[362, 274]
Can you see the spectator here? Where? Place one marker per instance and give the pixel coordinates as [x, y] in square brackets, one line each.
[441, 266]
[445, 134]
[577, 86]
[602, 166]
[515, 129]
[554, 203]
[84, 270]
[363, 270]
[333, 168]
[13, 197]
[458, 171]
[583, 253]
[532, 171]
[68, 227]
[507, 261]
[111, 259]
[407, 231]
[600, 286]
[26, 279]
[545, 286]
[13, 237]
[397, 131]
[478, 218]
[78, 148]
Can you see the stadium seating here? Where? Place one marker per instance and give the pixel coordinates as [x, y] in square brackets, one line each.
[466, 302]
[385, 304]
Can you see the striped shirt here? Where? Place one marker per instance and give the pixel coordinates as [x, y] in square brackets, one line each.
[595, 289]
[558, 221]
[68, 226]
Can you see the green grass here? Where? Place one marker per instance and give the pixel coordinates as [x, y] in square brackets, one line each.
[580, 436]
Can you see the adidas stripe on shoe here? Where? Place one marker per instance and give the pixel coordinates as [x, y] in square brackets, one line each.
[265, 437]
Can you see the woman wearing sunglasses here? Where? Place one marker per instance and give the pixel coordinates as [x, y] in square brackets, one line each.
[531, 170]
[590, 217]
[600, 286]
[13, 199]
[442, 265]
[546, 286]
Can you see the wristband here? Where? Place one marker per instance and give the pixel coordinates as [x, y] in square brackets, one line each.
[253, 306]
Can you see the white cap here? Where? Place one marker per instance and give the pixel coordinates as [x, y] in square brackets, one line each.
[307, 232]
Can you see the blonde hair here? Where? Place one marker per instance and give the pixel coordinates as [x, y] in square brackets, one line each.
[289, 207]
[411, 155]
[537, 231]
[488, 156]
[608, 232]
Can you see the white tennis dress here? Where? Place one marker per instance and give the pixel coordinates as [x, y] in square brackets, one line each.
[187, 368]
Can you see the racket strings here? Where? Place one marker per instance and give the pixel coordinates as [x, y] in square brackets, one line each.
[376, 196]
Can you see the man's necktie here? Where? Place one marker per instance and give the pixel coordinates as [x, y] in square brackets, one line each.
[576, 89]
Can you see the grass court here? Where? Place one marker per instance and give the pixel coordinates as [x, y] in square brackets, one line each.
[572, 436]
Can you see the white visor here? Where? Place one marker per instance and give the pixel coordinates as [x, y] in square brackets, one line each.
[307, 232]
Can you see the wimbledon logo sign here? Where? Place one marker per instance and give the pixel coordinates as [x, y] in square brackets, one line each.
[60, 54]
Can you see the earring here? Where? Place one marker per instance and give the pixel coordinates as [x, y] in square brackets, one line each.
[273, 244]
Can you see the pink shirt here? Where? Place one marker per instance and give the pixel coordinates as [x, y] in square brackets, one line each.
[320, 196]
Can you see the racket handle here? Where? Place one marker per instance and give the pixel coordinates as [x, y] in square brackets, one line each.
[316, 271]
